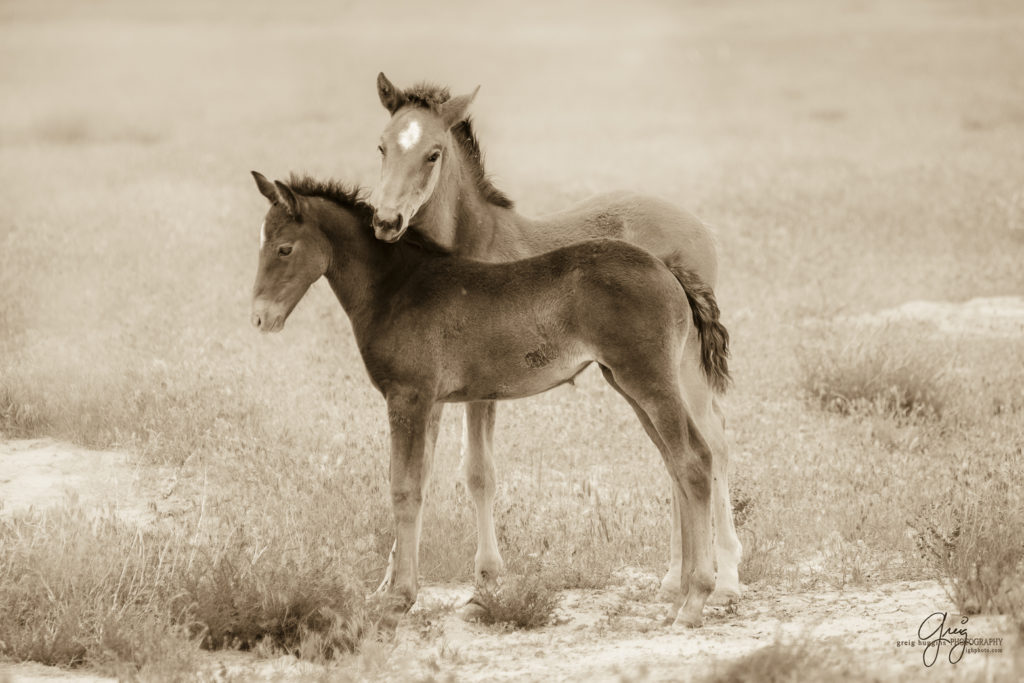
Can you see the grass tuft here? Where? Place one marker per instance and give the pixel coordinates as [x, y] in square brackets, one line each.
[526, 599]
[884, 373]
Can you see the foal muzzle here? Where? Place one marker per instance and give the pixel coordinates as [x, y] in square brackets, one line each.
[389, 230]
[265, 319]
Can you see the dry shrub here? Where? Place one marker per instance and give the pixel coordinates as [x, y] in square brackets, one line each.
[526, 598]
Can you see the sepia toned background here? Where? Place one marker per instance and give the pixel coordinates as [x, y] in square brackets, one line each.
[855, 158]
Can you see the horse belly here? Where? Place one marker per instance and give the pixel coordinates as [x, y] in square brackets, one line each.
[518, 375]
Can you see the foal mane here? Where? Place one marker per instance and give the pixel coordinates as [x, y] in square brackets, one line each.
[430, 96]
[351, 197]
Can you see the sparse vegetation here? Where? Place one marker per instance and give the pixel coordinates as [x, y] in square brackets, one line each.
[526, 598]
[80, 588]
[973, 536]
[881, 371]
[842, 178]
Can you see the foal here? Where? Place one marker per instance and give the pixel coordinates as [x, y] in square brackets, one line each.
[433, 328]
[433, 184]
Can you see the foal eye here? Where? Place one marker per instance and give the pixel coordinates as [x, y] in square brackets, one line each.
[284, 251]
[380, 148]
[434, 156]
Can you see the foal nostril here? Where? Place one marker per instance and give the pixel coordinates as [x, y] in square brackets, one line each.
[385, 225]
[257, 322]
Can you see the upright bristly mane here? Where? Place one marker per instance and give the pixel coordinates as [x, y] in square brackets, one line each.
[349, 197]
[431, 97]
[352, 197]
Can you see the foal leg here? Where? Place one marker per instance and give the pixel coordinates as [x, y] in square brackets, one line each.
[478, 469]
[672, 583]
[688, 458]
[409, 417]
[708, 414]
[433, 427]
[728, 549]
[672, 589]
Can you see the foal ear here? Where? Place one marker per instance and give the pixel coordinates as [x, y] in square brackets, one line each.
[391, 97]
[267, 188]
[287, 197]
[457, 108]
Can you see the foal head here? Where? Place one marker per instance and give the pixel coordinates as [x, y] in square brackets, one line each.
[293, 255]
[414, 146]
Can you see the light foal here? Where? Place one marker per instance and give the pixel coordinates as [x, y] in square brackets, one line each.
[433, 189]
[433, 328]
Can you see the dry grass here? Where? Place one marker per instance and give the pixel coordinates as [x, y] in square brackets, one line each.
[528, 595]
[80, 588]
[973, 536]
[846, 170]
[882, 371]
[523, 601]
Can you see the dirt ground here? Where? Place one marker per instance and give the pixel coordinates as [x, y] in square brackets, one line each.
[612, 634]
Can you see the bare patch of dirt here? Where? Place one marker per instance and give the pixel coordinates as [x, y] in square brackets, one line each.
[1001, 316]
[39, 473]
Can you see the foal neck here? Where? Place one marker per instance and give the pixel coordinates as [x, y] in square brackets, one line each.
[361, 268]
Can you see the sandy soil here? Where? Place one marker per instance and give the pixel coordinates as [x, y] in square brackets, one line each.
[1001, 316]
[612, 634]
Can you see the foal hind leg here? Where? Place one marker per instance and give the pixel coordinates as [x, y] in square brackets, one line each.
[478, 469]
[687, 457]
[672, 589]
[671, 584]
[728, 549]
[689, 460]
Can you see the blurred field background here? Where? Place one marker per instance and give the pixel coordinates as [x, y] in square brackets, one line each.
[852, 156]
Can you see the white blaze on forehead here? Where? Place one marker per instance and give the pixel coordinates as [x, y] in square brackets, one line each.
[410, 136]
[263, 234]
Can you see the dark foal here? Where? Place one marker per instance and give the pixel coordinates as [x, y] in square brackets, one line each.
[433, 328]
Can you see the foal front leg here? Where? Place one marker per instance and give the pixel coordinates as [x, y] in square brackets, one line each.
[433, 427]
[409, 417]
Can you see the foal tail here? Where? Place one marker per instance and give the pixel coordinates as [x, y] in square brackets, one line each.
[714, 338]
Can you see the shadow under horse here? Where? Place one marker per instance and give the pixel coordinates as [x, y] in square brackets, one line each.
[433, 328]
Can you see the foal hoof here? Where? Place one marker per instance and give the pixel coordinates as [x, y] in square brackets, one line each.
[723, 597]
[472, 610]
[688, 620]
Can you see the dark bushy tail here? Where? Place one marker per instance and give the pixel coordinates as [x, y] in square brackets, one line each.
[714, 338]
